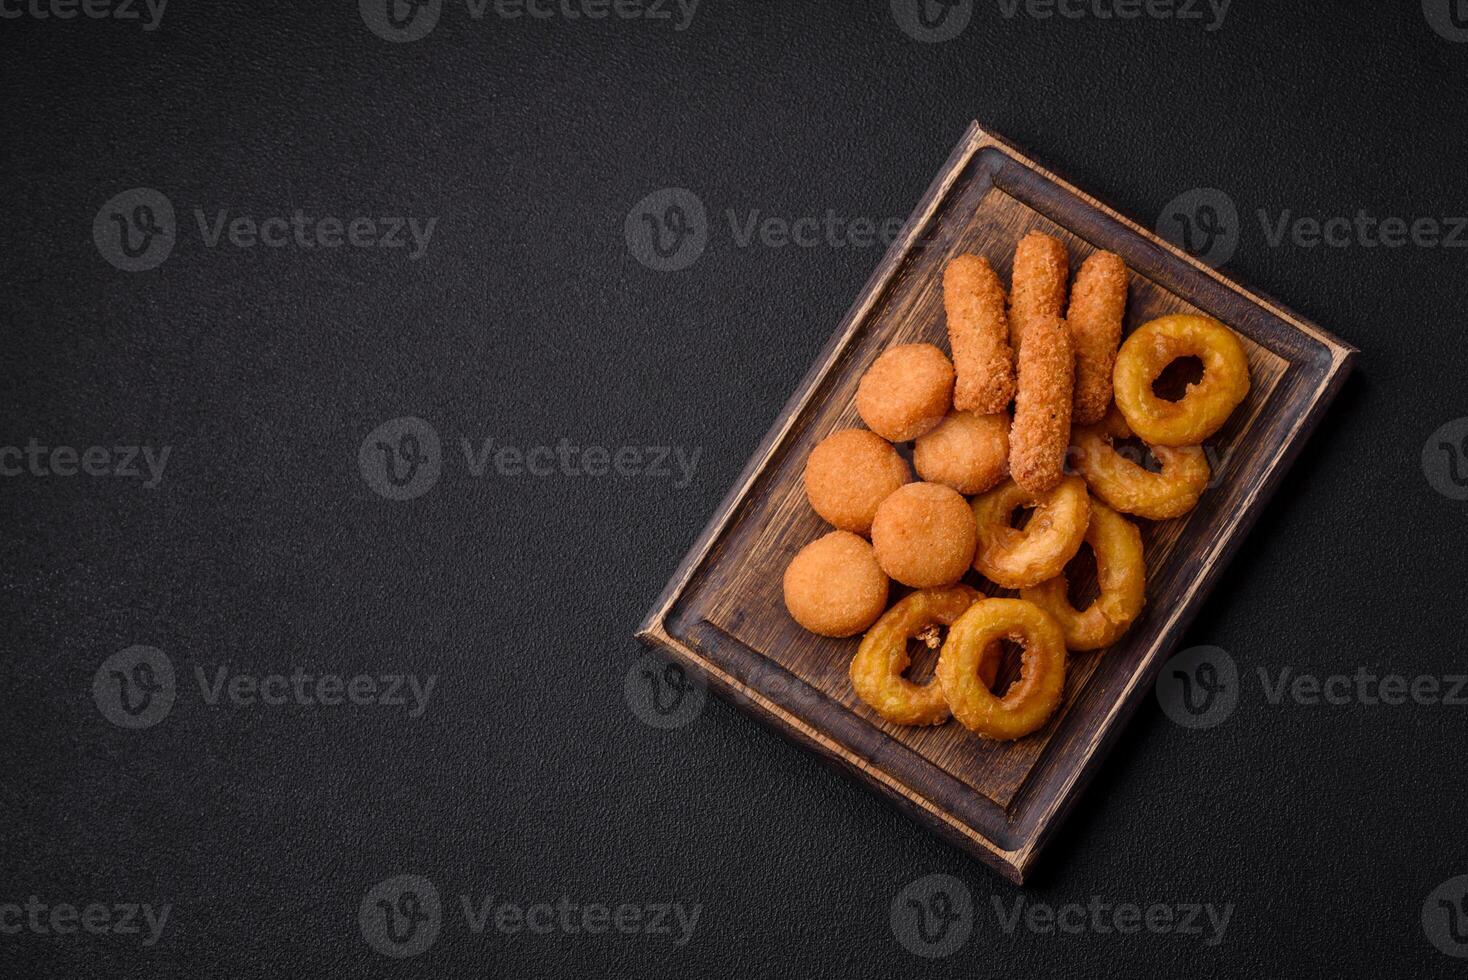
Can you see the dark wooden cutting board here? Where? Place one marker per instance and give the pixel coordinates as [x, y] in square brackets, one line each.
[722, 614]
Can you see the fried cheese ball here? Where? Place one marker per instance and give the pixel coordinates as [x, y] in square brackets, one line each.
[1097, 304]
[1040, 433]
[924, 535]
[978, 332]
[1037, 283]
[833, 586]
[968, 452]
[848, 474]
[906, 391]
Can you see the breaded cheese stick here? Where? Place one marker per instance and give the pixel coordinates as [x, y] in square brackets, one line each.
[1041, 430]
[1097, 304]
[978, 331]
[1037, 285]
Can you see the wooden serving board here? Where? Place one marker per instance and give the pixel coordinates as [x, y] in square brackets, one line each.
[723, 616]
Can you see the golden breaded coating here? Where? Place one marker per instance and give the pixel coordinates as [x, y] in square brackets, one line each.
[1041, 430]
[968, 452]
[1037, 284]
[849, 473]
[924, 535]
[1097, 304]
[906, 392]
[978, 331]
[834, 586]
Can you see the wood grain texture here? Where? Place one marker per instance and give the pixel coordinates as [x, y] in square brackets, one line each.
[723, 613]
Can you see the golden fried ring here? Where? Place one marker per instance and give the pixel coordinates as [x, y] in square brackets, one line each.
[1030, 700]
[1208, 402]
[876, 670]
[1016, 559]
[1128, 486]
[1121, 574]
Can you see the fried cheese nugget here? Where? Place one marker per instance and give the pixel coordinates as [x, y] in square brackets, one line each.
[1041, 430]
[924, 535]
[978, 331]
[834, 587]
[848, 474]
[906, 392]
[1037, 286]
[1097, 303]
[967, 452]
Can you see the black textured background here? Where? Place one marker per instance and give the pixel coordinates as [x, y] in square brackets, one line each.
[529, 776]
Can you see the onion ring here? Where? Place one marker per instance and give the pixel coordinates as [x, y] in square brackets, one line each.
[1030, 700]
[1131, 488]
[1121, 573]
[1208, 402]
[876, 670]
[1016, 559]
